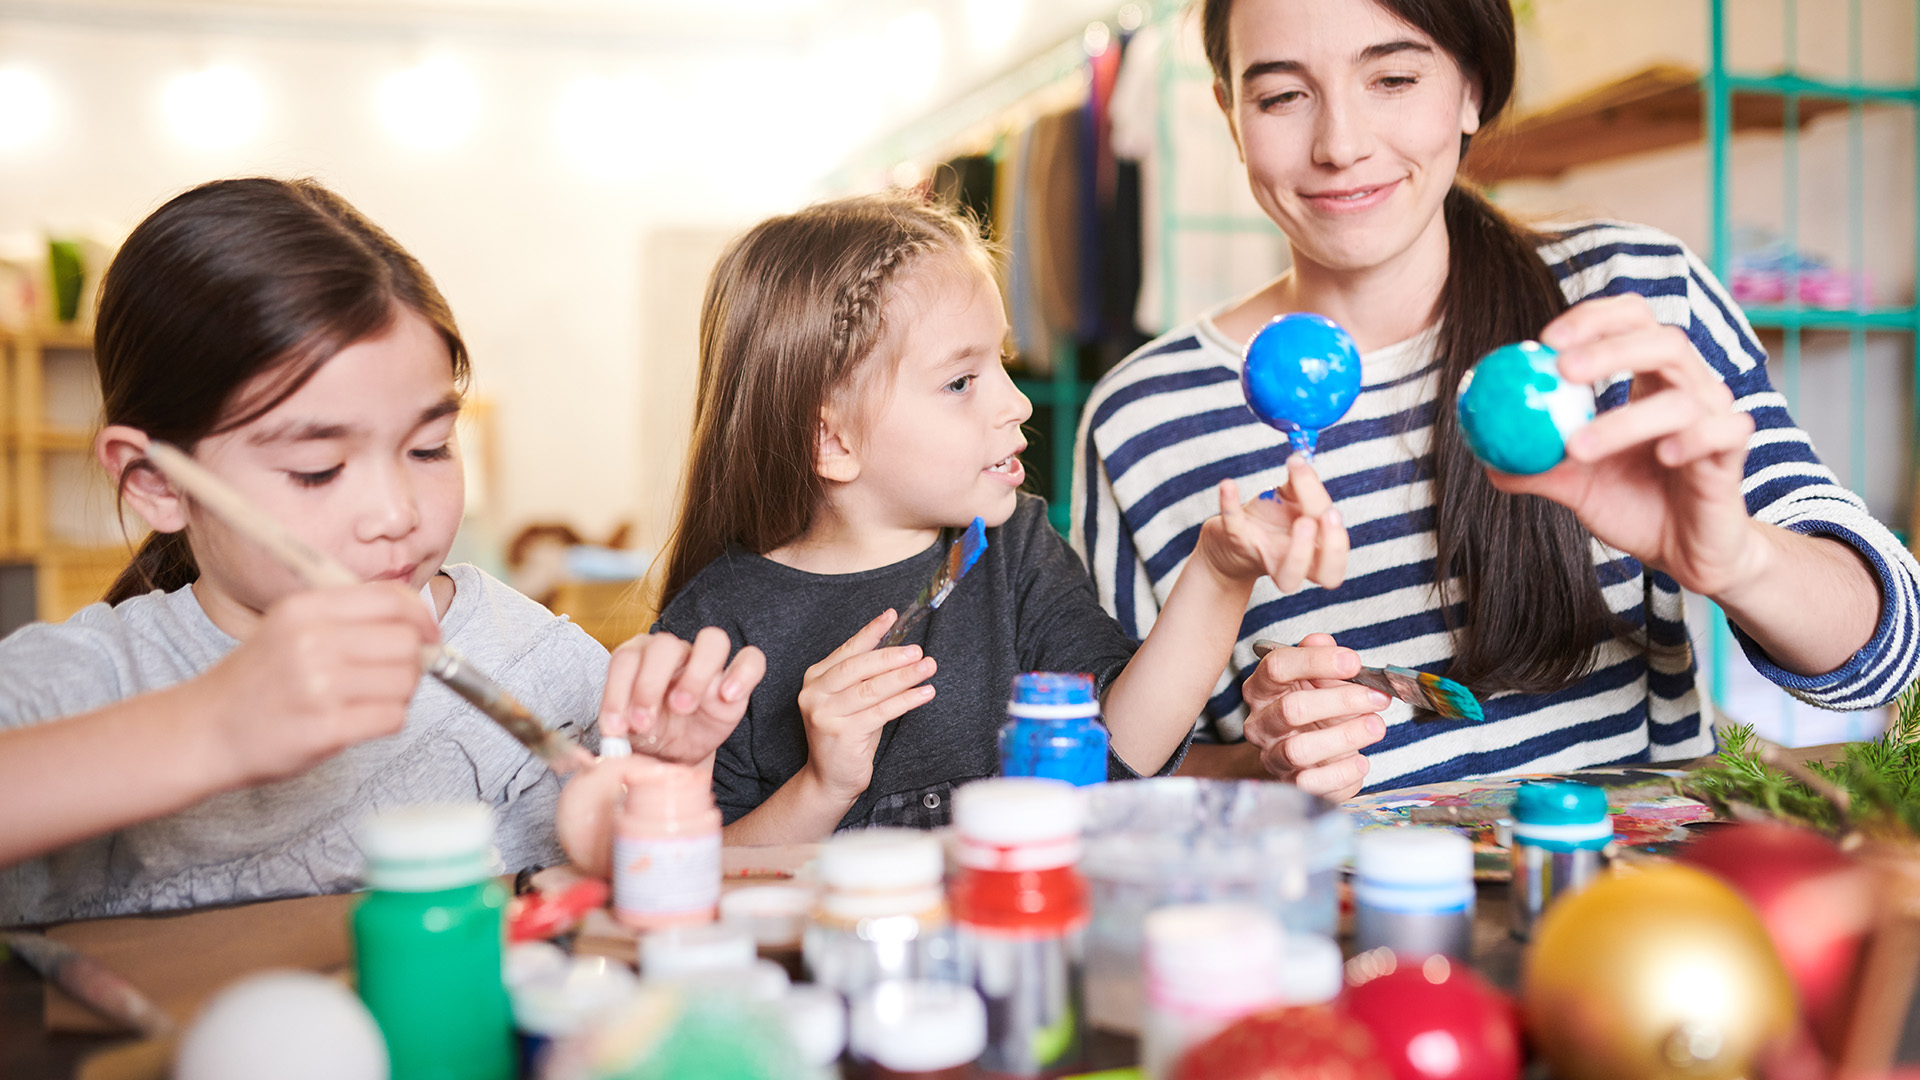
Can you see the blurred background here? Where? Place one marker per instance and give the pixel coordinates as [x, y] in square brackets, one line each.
[569, 169]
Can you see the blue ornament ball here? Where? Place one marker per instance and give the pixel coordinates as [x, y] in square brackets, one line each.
[1517, 412]
[1301, 374]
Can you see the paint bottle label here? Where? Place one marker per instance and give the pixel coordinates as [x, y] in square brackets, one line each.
[666, 875]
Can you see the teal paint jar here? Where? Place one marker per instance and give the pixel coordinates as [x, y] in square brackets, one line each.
[1560, 831]
[428, 942]
[1516, 411]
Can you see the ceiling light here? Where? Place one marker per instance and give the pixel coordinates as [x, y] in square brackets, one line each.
[430, 106]
[26, 107]
[214, 109]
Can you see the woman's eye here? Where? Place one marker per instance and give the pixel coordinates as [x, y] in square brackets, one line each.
[1398, 82]
[437, 453]
[315, 479]
[961, 384]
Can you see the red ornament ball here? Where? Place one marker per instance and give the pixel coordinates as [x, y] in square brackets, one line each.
[1435, 1019]
[1313, 1042]
[1815, 901]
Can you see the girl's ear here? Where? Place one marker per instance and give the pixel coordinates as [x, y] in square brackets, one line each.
[835, 460]
[119, 448]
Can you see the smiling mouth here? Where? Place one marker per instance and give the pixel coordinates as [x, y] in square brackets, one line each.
[1350, 195]
[1006, 464]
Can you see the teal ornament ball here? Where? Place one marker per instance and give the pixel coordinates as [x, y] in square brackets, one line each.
[1517, 412]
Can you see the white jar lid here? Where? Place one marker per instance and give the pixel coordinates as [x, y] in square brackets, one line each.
[774, 914]
[1312, 970]
[615, 746]
[874, 860]
[1212, 957]
[1017, 810]
[1413, 855]
[559, 1003]
[817, 1019]
[690, 950]
[919, 1026]
[428, 847]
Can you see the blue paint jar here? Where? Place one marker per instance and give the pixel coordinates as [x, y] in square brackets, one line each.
[1054, 730]
[1560, 829]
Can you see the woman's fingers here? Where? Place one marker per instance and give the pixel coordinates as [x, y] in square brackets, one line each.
[1724, 434]
[1593, 320]
[1653, 417]
[1330, 558]
[1292, 572]
[1316, 657]
[1335, 781]
[1304, 488]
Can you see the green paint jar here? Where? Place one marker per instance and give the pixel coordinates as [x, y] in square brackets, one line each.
[428, 941]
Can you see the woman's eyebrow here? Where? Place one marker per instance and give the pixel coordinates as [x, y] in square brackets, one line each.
[1294, 67]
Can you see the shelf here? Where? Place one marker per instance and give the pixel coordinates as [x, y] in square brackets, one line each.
[50, 337]
[1785, 318]
[1656, 108]
[1046, 390]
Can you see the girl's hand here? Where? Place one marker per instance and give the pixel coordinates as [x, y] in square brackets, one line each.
[1293, 535]
[1658, 478]
[675, 701]
[850, 696]
[325, 669]
[1309, 722]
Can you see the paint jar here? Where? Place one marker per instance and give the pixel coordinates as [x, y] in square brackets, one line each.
[816, 1018]
[1559, 831]
[882, 911]
[1054, 729]
[1413, 892]
[1207, 965]
[555, 996]
[1312, 971]
[1174, 840]
[916, 1030]
[1020, 910]
[428, 942]
[666, 847]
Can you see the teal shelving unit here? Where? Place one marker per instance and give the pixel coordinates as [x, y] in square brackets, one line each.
[1791, 318]
[1062, 394]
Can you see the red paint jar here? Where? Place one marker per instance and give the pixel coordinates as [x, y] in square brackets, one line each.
[1020, 912]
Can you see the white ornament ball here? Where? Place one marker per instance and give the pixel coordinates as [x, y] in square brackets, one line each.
[290, 1025]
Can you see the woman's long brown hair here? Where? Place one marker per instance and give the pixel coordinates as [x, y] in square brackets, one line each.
[223, 303]
[793, 311]
[1521, 566]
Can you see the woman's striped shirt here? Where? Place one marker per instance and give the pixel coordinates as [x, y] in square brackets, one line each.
[1169, 423]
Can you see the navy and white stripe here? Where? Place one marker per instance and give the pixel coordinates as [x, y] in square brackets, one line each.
[1165, 427]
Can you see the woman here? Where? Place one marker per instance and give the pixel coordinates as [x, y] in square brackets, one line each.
[1557, 597]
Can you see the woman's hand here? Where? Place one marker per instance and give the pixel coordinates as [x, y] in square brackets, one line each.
[1309, 722]
[1292, 534]
[1658, 478]
[325, 669]
[849, 697]
[675, 701]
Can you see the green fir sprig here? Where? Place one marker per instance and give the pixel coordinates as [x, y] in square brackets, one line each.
[1880, 779]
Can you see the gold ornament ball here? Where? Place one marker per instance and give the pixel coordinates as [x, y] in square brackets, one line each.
[1659, 974]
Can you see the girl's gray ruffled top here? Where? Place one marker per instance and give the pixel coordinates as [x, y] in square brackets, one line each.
[293, 837]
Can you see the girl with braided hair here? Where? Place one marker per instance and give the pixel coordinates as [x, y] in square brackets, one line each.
[852, 409]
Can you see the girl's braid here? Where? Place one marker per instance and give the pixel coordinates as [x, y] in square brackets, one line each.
[857, 308]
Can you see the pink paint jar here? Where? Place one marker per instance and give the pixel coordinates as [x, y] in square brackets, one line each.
[666, 847]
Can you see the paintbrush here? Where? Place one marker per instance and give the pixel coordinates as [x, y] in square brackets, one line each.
[961, 556]
[1438, 695]
[560, 753]
[90, 982]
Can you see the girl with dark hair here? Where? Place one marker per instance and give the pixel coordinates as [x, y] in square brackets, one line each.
[230, 726]
[1557, 597]
[853, 414]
